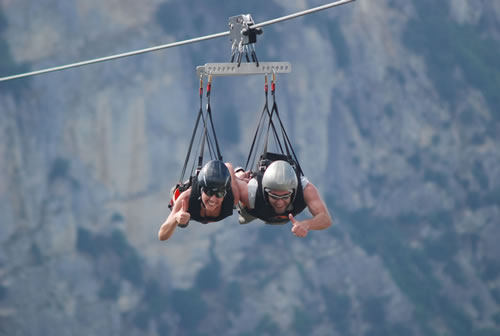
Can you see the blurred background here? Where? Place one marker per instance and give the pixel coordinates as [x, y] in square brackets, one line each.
[393, 108]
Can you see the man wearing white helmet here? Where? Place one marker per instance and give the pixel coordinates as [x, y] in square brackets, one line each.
[278, 195]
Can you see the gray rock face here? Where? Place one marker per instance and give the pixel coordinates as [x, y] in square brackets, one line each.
[392, 108]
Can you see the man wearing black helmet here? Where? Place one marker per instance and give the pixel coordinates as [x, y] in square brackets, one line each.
[278, 195]
[211, 198]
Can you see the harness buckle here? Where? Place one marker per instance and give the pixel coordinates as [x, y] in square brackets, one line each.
[243, 37]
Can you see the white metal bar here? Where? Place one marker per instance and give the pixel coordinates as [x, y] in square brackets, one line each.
[232, 69]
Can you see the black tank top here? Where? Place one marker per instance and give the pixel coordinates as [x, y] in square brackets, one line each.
[195, 205]
[263, 210]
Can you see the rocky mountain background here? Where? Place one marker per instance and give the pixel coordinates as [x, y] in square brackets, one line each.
[392, 106]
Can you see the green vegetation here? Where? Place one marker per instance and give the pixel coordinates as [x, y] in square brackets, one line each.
[109, 290]
[8, 66]
[359, 117]
[156, 299]
[303, 322]
[486, 332]
[156, 303]
[495, 294]
[490, 269]
[3, 292]
[447, 46]
[130, 262]
[36, 254]
[233, 298]
[250, 264]
[117, 217]
[342, 54]
[59, 169]
[267, 326]
[480, 175]
[496, 318]
[116, 244]
[374, 312]
[115, 248]
[411, 269]
[476, 200]
[339, 307]
[141, 319]
[453, 270]
[209, 278]
[438, 178]
[376, 183]
[390, 330]
[415, 161]
[270, 234]
[334, 231]
[389, 111]
[443, 248]
[190, 307]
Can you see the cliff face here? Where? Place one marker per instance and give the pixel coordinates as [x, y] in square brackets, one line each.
[394, 112]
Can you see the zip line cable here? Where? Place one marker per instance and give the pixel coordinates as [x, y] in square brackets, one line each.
[171, 45]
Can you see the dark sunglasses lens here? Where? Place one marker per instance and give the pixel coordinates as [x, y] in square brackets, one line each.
[217, 193]
[220, 194]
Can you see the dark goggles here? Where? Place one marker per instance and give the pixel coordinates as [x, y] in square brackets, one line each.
[210, 192]
[279, 197]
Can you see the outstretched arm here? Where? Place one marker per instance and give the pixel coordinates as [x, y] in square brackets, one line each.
[234, 183]
[179, 215]
[245, 176]
[321, 217]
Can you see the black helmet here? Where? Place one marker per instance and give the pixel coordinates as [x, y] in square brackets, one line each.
[214, 175]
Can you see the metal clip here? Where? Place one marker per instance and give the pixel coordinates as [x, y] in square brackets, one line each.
[242, 36]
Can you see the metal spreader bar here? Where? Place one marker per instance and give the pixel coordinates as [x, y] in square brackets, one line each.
[233, 69]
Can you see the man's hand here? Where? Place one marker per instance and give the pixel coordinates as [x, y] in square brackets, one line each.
[300, 229]
[182, 217]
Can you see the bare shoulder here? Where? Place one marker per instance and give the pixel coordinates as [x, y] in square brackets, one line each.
[310, 190]
[184, 197]
[312, 196]
[185, 194]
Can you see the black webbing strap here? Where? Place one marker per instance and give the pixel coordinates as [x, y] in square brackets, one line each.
[288, 143]
[209, 113]
[205, 137]
[264, 110]
[274, 110]
[285, 145]
[193, 135]
[269, 114]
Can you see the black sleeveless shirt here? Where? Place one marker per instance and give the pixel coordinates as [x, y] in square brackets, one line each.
[195, 205]
[264, 211]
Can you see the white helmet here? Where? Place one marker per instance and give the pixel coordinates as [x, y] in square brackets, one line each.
[280, 175]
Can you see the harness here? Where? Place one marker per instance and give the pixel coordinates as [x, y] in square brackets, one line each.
[208, 136]
[284, 151]
[195, 205]
[264, 211]
[283, 144]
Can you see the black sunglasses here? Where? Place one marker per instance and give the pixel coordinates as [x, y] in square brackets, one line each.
[218, 193]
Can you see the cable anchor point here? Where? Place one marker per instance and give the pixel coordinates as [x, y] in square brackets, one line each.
[243, 38]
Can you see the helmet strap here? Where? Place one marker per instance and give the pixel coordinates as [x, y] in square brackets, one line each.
[201, 201]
